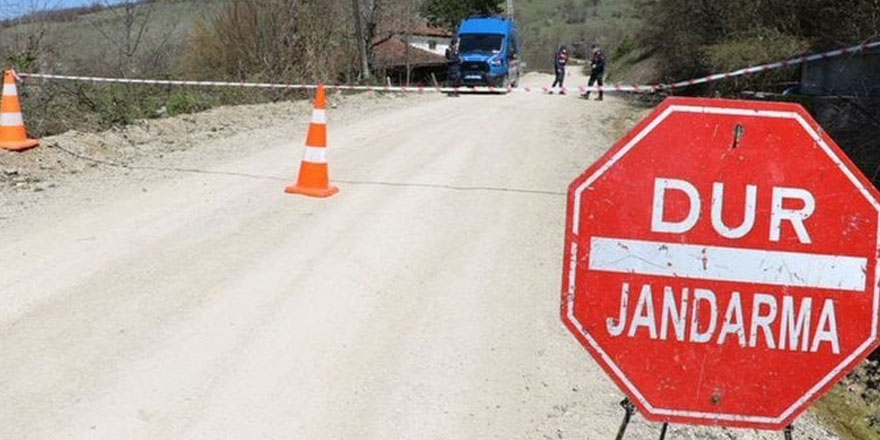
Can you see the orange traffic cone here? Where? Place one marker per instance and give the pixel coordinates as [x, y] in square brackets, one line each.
[12, 133]
[314, 176]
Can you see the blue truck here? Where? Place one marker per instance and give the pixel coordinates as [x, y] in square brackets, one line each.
[490, 49]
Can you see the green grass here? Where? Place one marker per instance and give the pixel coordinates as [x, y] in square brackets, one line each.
[94, 43]
[852, 408]
[848, 415]
[85, 44]
[546, 24]
[88, 42]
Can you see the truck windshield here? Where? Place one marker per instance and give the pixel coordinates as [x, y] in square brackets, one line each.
[487, 43]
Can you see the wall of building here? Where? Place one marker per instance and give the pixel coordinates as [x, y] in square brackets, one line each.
[436, 45]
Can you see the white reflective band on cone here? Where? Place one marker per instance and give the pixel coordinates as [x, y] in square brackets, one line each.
[11, 119]
[315, 155]
[319, 116]
[9, 90]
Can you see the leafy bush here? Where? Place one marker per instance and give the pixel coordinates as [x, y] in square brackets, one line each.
[245, 38]
[764, 47]
[23, 61]
[696, 38]
[626, 47]
[449, 13]
[273, 41]
[181, 102]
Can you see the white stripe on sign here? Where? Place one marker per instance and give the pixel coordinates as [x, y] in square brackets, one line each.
[319, 116]
[11, 119]
[9, 90]
[315, 155]
[728, 264]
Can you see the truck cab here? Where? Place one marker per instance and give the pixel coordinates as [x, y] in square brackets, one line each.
[490, 50]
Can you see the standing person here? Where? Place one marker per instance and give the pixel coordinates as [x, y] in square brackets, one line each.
[560, 62]
[453, 64]
[597, 70]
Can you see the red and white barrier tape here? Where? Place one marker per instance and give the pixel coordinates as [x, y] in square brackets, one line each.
[777, 65]
[421, 89]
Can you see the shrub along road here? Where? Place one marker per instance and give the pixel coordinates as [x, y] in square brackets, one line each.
[422, 301]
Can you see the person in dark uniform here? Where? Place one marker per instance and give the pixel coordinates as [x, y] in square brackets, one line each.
[597, 71]
[453, 64]
[560, 62]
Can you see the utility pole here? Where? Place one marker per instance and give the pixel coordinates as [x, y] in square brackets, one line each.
[362, 43]
[408, 21]
[406, 57]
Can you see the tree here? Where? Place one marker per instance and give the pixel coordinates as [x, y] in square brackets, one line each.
[448, 13]
[361, 39]
[694, 38]
[27, 48]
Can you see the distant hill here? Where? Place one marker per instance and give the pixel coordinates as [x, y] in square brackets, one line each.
[166, 39]
[614, 24]
[82, 40]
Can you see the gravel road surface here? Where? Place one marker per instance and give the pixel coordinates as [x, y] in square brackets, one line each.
[183, 295]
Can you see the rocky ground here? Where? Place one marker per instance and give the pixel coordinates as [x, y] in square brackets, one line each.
[149, 144]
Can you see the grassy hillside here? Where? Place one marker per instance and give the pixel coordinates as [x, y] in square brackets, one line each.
[86, 42]
[152, 39]
[146, 40]
[95, 42]
[613, 24]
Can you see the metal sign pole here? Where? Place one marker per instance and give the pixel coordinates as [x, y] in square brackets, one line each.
[654, 263]
[663, 431]
[630, 409]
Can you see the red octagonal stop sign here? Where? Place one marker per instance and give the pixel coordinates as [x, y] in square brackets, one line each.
[721, 263]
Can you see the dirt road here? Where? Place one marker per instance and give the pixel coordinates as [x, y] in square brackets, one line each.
[421, 302]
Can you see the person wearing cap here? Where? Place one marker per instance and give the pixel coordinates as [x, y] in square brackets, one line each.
[560, 62]
[597, 70]
[453, 63]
